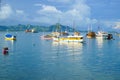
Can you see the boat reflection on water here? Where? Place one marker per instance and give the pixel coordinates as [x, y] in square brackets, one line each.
[11, 45]
[100, 42]
[70, 49]
[76, 45]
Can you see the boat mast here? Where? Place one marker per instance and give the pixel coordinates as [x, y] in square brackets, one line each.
[73, 26]
[58, 26]
[91, 27]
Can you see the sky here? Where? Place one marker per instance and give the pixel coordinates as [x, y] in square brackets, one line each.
[81, 13]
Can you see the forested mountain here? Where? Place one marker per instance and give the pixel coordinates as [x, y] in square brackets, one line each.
[50, 28]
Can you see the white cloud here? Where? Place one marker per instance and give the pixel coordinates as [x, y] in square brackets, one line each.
[47, 8]
[79, 12]
[48, 14]
[91, 21]
[20, 14]
[6, 11]
[83, 8]
[117, 25]
[63, 1]
[37, 4]
[10, 15]
[71, 10]
[110, 24]
[19, 11]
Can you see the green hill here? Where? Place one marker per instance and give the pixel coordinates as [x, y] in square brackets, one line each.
[50, 28]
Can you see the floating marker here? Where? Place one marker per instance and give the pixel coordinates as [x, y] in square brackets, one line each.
[5, 50]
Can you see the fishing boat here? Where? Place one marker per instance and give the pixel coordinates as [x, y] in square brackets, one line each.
[64, 33]
[76, 37]
[46, 37]
[27, 30]
[70, 38]
[91, 35]
[55, 34]
[10, 37]
[104, 35]
[34, 30]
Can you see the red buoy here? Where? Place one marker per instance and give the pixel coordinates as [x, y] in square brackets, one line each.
[5, 50]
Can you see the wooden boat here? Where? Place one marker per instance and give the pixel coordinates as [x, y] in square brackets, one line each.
[34, 31]
[46, 37]
[91, 35]
[10, 37]
[65, 33]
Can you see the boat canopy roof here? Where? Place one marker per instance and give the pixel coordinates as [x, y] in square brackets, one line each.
[8, 35]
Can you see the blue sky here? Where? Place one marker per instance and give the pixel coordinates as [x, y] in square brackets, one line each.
[83, 13]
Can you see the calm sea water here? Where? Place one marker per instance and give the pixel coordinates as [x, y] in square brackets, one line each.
[31, 58]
